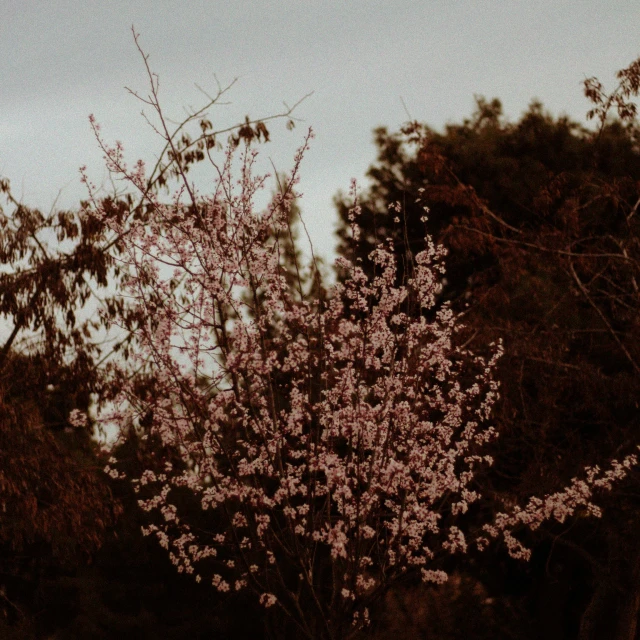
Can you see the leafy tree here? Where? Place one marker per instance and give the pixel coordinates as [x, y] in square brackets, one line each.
[540, 219]
[57, 503]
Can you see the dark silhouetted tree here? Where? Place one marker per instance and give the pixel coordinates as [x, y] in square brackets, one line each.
[540, 220]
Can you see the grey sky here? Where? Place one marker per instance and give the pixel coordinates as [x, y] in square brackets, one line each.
[61, 60]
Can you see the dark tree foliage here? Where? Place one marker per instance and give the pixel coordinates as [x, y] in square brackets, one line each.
[57, 505]
[56, 502]
[540, 220]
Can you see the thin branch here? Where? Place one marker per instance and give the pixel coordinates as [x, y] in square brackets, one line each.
[602, 316]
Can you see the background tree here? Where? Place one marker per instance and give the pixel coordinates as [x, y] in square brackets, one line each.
[57, 502]
[540, 219]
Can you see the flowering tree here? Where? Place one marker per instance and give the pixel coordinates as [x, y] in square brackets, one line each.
[322, 446]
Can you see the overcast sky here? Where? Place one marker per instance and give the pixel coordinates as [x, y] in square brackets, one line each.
[61, 60]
